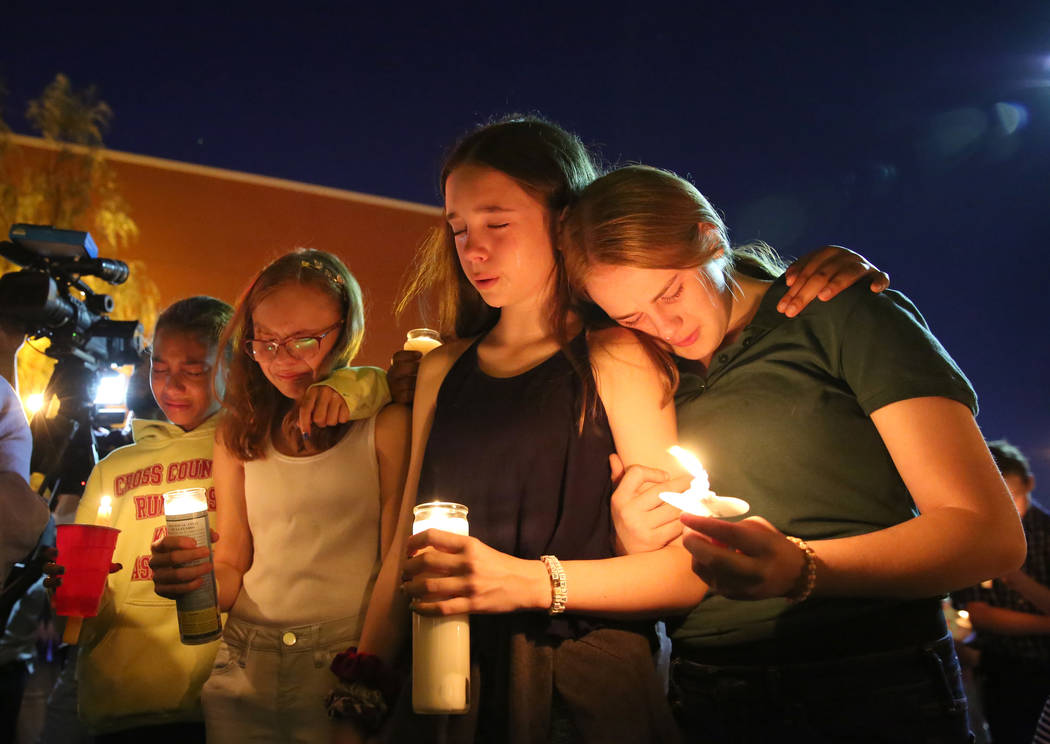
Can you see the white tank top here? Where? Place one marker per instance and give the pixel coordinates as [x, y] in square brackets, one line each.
[315, 533]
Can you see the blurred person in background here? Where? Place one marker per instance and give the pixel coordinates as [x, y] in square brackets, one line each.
[23, 514]
[23, 518]
[1011, 616]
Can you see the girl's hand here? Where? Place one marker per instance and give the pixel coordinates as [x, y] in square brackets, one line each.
[750, 559]
[171, 577]
[401, 377]
[824, 273]
[51, 569]
[54, 571]
[643, 520]
[320, 406]
[461, 574]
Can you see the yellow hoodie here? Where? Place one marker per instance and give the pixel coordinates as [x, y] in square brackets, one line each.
[133, 669]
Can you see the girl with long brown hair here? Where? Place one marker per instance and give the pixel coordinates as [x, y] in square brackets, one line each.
[517, 417]
[297, 516]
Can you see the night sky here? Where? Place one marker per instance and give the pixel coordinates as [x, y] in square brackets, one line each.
[915, 133]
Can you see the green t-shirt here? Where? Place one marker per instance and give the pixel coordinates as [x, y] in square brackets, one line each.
[782, 420]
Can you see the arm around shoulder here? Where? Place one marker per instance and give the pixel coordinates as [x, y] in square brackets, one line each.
[364, 389]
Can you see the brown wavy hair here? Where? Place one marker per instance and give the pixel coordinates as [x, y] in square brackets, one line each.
[252, 404]
[548, 162]
[652, 219]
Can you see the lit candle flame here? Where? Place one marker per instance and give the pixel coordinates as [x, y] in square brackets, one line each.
[692, 464]
[699, 498]
[185, 501]
[105, 511]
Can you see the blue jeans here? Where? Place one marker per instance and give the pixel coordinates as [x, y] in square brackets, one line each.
[904, 695]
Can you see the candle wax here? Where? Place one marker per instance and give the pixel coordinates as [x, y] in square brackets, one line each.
[705, 504]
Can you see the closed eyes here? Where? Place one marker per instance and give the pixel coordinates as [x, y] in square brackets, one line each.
[463, 231]
[675, 296]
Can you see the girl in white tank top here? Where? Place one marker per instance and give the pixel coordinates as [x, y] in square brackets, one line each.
[303, 519]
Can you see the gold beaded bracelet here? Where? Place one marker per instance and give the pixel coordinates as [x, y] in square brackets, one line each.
[807, 578]
[559, 588]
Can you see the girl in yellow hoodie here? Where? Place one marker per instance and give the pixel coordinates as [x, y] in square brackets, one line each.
[135, 677]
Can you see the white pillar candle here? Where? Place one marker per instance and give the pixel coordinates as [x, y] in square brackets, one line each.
[440, 645]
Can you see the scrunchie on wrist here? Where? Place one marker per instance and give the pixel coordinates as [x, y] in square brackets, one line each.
[366, 691]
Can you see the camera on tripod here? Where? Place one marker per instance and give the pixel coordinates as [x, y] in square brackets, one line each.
[48, 298]
[41, 295]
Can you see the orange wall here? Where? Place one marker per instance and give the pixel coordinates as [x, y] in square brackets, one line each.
[206, 231]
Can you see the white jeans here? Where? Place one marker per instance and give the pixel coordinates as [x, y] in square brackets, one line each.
[269, 684]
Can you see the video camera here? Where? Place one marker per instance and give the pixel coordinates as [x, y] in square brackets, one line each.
[41, 296]
[42, 299]
[48, 298]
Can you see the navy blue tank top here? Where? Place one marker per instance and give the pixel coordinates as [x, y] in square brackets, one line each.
[511, 450]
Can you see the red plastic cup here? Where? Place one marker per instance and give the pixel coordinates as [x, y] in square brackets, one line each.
[86, 551]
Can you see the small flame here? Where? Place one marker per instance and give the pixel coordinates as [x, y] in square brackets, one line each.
[105, 511]
[185, 501]
[692, 464]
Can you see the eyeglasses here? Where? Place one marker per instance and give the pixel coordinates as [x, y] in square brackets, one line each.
[301, 347]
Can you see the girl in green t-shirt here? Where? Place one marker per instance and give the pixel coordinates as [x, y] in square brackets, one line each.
[851, 433]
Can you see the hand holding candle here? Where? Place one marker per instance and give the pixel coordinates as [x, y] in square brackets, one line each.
[749, 559]
[699, 499]
[423, 340]
[440, 645]
[404, 365]
[186, 515]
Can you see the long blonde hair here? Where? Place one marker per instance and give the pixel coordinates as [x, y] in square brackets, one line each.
[252, 403]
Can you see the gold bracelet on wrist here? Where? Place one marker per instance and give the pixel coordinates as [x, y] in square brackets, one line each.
[807, 578]
[559, 588]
